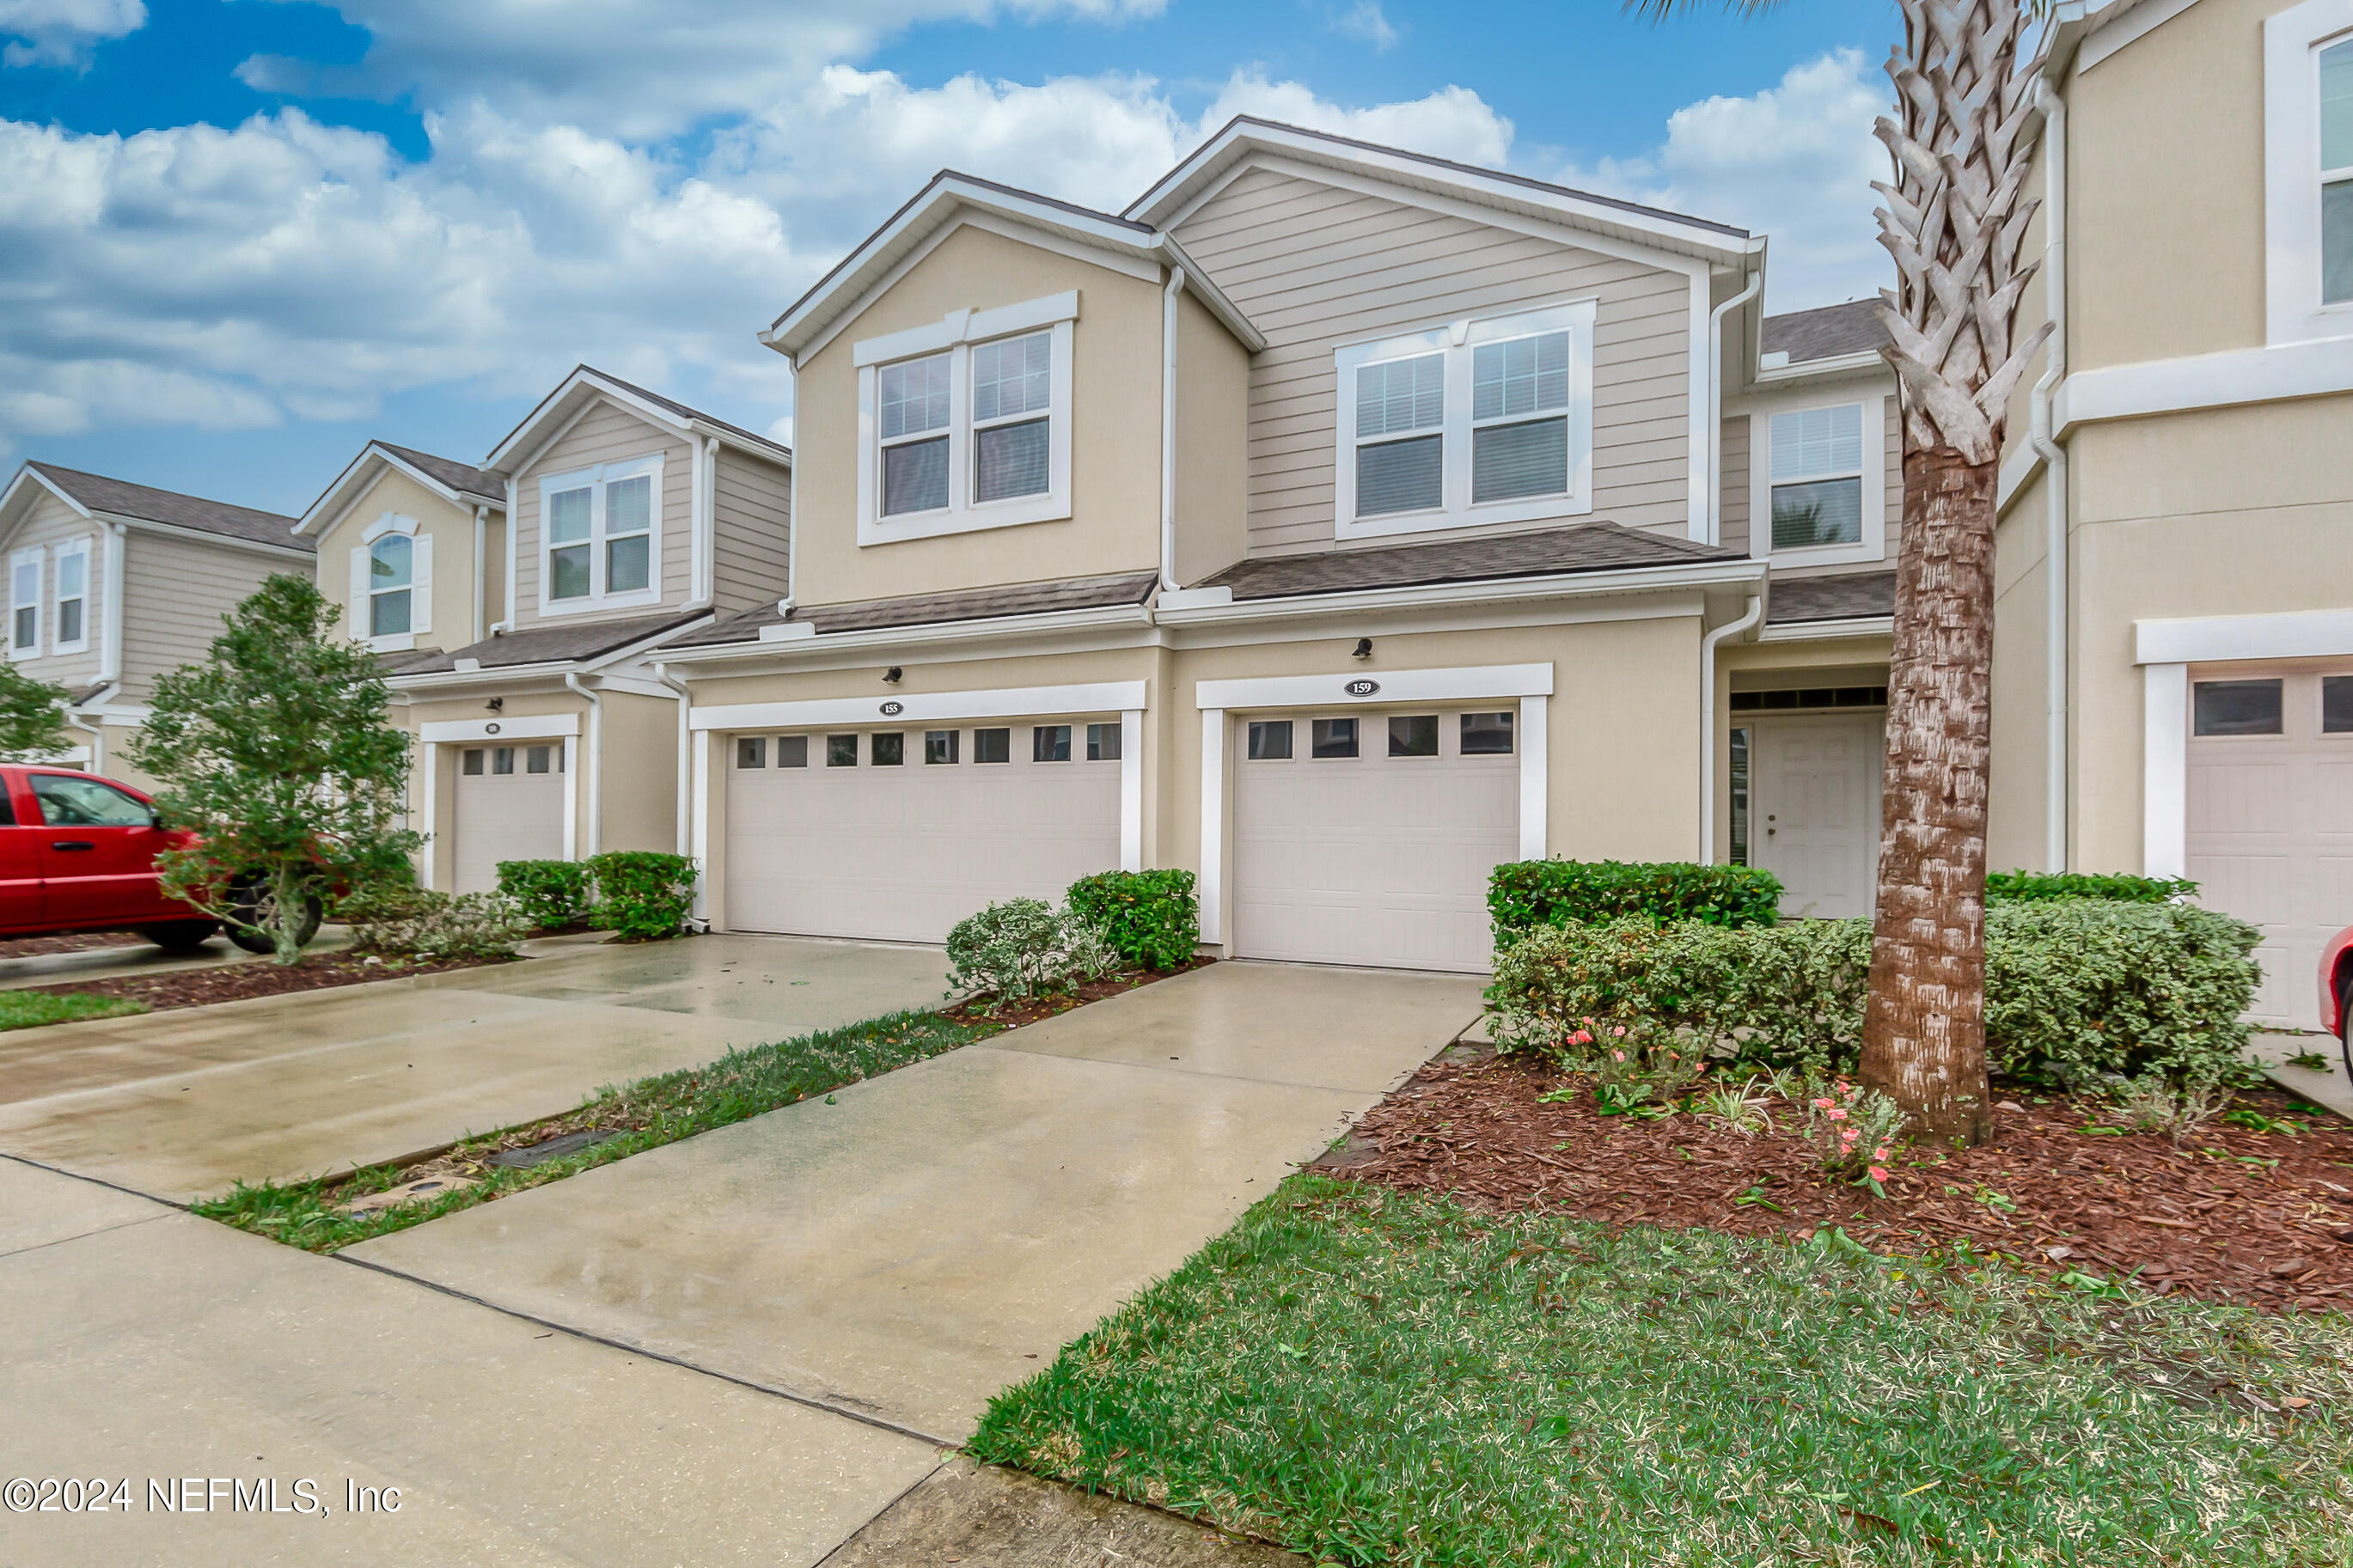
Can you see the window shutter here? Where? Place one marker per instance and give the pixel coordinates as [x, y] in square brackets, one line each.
[420, 584]
[355, 618]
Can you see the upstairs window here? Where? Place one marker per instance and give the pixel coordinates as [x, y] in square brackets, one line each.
[965, 423]
[1818, 481]
[1472, 423]
[24, 604]
[73, 597]
[601, 545]
[2308, 175]
[2336, 174]
[388, 586]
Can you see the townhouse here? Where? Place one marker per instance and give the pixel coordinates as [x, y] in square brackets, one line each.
[113, 583]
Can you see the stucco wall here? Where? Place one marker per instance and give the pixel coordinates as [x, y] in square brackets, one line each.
[451, 529]
[1212, 439]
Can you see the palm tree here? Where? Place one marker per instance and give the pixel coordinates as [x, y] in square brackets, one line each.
[1954, 218]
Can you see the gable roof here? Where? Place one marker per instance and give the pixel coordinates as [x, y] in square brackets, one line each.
[1246, 137]
[91, 494]
[949, 198]
[586, 382]
[1829, 331]
[459, 484]
[563, 642]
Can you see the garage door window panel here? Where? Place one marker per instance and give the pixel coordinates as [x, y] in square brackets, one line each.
[502, 760]
[2337, 704]
[841, 751]
[1270, 741]
[1413, 735]
[535, 760]
[992, 746]
[469, 761]
[1049, 744]
[941, 746]
[1332, 739]
[2237, 708]
[1102, 742]
[888, 750]
[752, 750]
[792, 750]
[1486, 734]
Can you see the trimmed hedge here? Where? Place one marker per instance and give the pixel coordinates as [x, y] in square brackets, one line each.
[552, 892]
[2024, 886]
[1526, 895]
[642, 893]
[2076, 990]
[1150, 917]
[1023, 948]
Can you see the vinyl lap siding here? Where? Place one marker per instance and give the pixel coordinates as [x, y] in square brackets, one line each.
[1731, 489]
[1735, 532]
[50, 522]
[1314, 267]
[608, 434]
[175, 591]
[754, 524]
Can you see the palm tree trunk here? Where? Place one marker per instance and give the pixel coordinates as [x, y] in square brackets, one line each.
[1923, 1029]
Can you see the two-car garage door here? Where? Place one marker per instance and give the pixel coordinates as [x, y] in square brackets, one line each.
[900, 834]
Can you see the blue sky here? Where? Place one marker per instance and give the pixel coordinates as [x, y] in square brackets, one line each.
[238, 237]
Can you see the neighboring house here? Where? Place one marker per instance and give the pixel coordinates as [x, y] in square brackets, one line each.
[425, 538]
[627, 518]
[2193, 409]
[111, 583]
[1335, 522]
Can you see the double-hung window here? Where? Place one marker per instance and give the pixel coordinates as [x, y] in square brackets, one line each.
[24, 604]
[1474, 422]
[1818, 481]
[965, 423]
[71, 622]
[2308, 172]
[391, 581]
[601, 545]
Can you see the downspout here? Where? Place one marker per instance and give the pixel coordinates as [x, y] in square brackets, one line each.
[96, 733]
[594, 836]
[515, 531]
[1707, 646]
[481, 560]
[685, 756]
[703, 572]
[793, 517]
[1713, 499]
[2041, 435]
[110, 653]
[1168, 297]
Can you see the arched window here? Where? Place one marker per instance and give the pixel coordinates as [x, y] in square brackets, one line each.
[390, 559]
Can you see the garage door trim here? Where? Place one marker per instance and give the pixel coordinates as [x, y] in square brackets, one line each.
[1008, 703]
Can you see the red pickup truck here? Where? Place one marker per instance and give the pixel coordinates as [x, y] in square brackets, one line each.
[78, 853]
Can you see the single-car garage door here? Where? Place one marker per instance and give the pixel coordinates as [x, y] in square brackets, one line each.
[510, 807]
[1368, 838]
[2271, 819]
[900, 834]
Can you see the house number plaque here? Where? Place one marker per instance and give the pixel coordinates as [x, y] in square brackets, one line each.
[892, 709]
[1363, 687]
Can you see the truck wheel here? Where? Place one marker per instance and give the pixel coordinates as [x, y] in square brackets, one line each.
[255, 903]
[180, 936]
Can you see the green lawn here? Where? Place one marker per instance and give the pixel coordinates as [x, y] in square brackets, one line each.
[657, 1111]
[31, 1009]
[1372, 1377]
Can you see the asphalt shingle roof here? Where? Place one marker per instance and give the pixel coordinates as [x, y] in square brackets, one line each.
[124, 499]
[1586, 547]
[1825, 333]
[488, 484]
[1846, 598]
[565, 643]
[931, 609]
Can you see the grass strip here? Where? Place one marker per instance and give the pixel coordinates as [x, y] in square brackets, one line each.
[31, 1009]
[1370, 1376]
[652, 1111]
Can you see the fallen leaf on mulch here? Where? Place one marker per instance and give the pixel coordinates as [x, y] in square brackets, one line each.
[262, 977]
[2262, 1218]
[72, 942]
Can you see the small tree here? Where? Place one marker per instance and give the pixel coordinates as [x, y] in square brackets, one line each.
[276, 752]
[32, 717]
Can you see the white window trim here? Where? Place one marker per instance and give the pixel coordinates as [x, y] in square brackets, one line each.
[57, 577]
[391, 642]
[2293, 40]
[595, 480]
[955, 335]
[1456, 339]
[1873, 546]
[38, 558]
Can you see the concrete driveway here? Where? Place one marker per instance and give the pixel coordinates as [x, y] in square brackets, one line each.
[184, 1103]
[940, 1232]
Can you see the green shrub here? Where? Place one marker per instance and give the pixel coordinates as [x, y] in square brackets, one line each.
[2023, 887]
[1023, 948]
[1149, 918]
[1523, 895]
[641, 894]
[2078, 992]
[411, 923]
[552, 892]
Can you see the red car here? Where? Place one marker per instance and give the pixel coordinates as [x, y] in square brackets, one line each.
[78, 853]
[2337, 991]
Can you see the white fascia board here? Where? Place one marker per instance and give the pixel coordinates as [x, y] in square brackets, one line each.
[2106, 29]
[1824, 631]
[1006, 702]
[1199, 283]
[1824, 369]
[28, 477]
[1470, 683]
[2225, 639]
[779, 454]
[510, 677]
[202, 536]
[559, 401]
[643, 645]
[532, 727]
[1562, 586]
[2274, 373]
[332, 501]
[788, 649]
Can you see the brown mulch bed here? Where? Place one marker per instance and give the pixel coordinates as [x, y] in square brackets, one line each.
[1014, 1015]
[235, 982]
[2261, 1218]
[72, 942]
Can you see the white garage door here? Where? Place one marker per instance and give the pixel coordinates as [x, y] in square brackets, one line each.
[901, 834]
[510, 807]
[1368, 838]
[2271, 819]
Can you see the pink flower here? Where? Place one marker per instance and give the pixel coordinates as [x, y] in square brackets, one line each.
[1580, 1038]
[1848, 1137]
[1836, 1114]
[1619, 1056]
[1878, 1173]
[1822, 1105]
[1620, 1031]
[1880, 1154]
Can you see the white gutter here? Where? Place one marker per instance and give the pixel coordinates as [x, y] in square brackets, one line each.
[1707, 645]
[481, 560]
[96, 733]
[685, 755]
[793, 517]
[1552, 585]
[2054, 475]
[595, 769]
[1713, 503]
[1168, 297]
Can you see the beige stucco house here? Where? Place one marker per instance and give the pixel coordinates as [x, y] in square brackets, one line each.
[423, 541]
[2177, 494]
[111, 583]
[1335, 522]
[611, 519]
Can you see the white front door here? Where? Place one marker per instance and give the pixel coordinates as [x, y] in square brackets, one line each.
[1814, 809]
[1368, 838]
[510, 807]
[900, 834]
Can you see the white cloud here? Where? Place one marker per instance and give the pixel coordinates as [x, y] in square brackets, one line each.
[1794, 161]
[1364, 21]
[60, 32]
